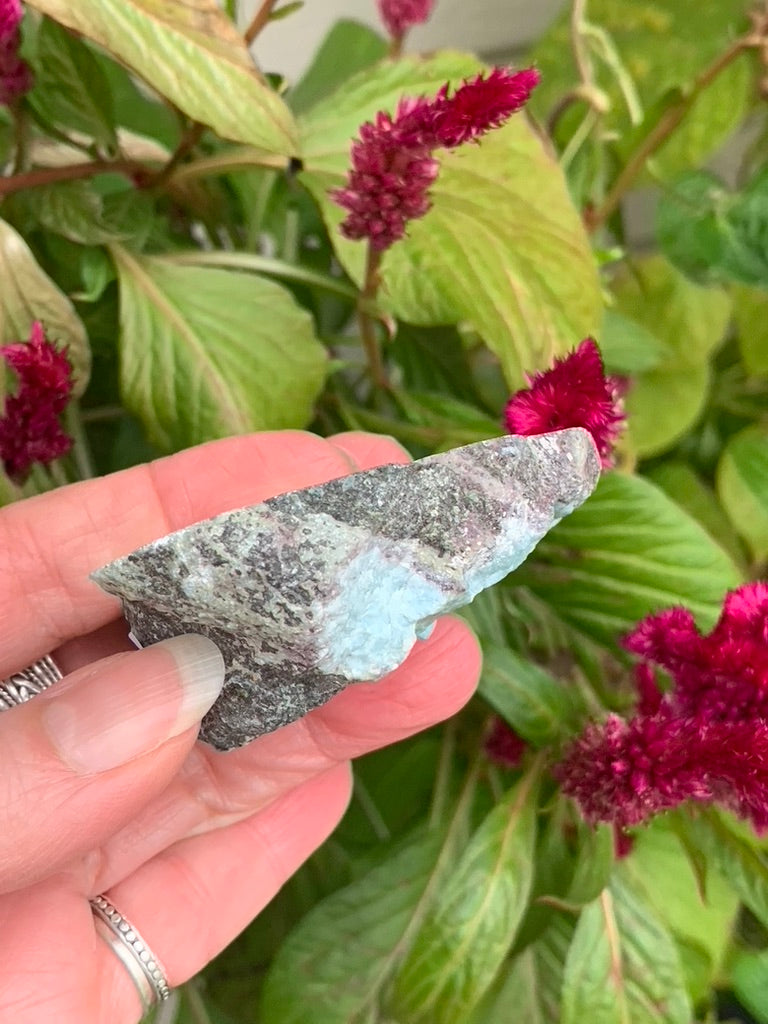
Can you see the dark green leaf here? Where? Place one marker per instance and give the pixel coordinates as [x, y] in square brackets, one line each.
[690, 322]
[502, 249]
[742, 486]
[192, 54]
[71, 90]
[627, 551]
[533, 702]
[622, 967]
[471, 925]
[73, 209]
[206, 352]
[348, 48]
[593, 865]
[28, 294]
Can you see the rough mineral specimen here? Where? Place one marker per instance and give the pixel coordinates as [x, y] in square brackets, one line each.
[319, 588]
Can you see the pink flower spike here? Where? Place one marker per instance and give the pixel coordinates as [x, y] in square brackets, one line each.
[30, 431]
[575, 392]
[401, 15]
[478, 106]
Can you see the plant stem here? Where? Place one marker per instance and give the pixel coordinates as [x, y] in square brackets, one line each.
[188, 142]
[72, 172]
[260, 19]
[396, 46]
[366, 322]
[19, 137]
[662, 130]
[580, 52]
[81, 450]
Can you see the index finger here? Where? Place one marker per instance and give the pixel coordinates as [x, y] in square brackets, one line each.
[50, 544]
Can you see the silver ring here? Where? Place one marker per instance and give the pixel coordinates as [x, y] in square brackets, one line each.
[23, 686]
[132, 951]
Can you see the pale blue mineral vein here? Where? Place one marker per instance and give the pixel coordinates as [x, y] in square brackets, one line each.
[315, 589]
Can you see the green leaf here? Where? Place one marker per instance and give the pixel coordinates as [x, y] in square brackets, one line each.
[742, 486]
[332, 966]
[531, 981]
[749, 978]
[647, 48]
[191, 53]
[73, 209]
[734, 855]
[622, 967]
[688, 490]
[71, 90]
[207, 352]
[471, 924]
[689, 321]
[502, 248]
[628, 347]
[348, 48]
[627, 551]
[661, 874]
[28, 294]
[709, 232]
[750, 310]
[593, 866]
[533, 702]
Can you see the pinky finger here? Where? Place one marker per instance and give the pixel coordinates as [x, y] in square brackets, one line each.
[192, 900]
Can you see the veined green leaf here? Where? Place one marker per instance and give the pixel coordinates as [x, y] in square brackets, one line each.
[190, 52]
[472, 923]
[207, 352]
[28, 294]
[622, 967]
[750, 310]
[742, 486]
[502, 249]
[627, 551]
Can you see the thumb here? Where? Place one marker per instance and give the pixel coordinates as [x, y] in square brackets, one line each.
[81, 759]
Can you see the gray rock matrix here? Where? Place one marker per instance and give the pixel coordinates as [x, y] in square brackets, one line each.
[315, 589]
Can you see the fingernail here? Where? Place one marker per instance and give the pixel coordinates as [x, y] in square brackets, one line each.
[130, 704]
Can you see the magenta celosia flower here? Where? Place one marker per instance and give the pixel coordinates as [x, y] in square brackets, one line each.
[30, 431]
[401, 15]
[722, 676]
[15, 75]
[575, 392]
[705, 739]
[393, 165]
[625, 772]
[503, 745]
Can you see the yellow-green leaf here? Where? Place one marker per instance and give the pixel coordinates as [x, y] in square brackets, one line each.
[190, 52]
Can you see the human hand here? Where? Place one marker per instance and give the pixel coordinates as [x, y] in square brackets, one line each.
[102, 785]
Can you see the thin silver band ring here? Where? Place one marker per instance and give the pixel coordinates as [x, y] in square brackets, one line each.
[26, 684]
[132, 951]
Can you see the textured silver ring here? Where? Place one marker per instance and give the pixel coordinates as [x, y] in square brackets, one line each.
[132, 951]
[23, 686]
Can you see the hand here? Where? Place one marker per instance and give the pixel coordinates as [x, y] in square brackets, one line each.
[102, 785]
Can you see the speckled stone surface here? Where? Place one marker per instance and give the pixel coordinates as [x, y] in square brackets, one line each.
[315, 589]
